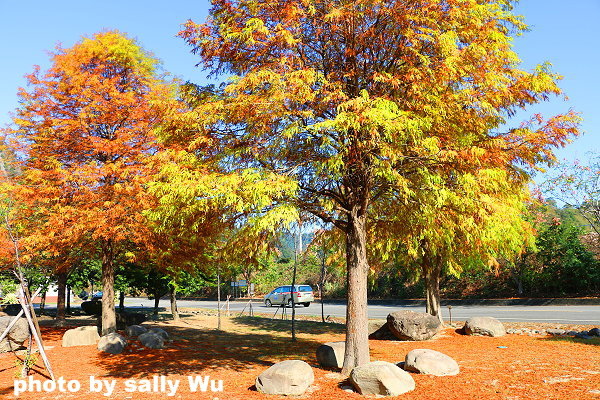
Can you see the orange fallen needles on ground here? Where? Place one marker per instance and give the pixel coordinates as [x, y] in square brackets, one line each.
[529, 367]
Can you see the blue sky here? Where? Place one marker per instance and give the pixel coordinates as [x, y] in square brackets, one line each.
[565, 33]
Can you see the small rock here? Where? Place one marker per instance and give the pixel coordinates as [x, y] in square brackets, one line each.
[381, 378]
[430, 362]
[81, 336]
[135, 330]
[152, 340]
[287, 378]
[484, 326]
[160, 332]
[331, 354]
[556, 332]
[112, 343]
[347, 388]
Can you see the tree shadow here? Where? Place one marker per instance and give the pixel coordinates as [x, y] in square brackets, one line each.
[595, 341]
[195, 349]
[282, 325]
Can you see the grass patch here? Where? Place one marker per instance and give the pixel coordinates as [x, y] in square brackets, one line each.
[592, 342]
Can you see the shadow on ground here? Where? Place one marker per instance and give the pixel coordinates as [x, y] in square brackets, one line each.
[256, 341]
[282, 325]
[589, 342]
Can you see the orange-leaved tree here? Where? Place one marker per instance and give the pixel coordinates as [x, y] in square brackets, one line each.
[86, 132]
[363, 101]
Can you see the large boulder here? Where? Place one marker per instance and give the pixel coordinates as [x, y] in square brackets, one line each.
[11, 309]
[135, 330]
[81, 336]
[126, 318]
[288, 378]
[18, 334]
[112, 343]
[331, 354]
[410, 325]
[152, 340]
[430, 362]
[381, 378]
[92, 307]
[484, 326]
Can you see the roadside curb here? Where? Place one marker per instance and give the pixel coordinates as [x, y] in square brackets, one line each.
[588, 301]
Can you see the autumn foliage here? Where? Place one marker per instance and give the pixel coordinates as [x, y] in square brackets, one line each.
[86, 130]
[390, 121]
[383, 112]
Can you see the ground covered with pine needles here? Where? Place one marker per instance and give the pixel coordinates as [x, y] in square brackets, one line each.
[512, 367]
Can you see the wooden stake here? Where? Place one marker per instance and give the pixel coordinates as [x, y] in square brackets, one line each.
[34, 331]
[16, 318]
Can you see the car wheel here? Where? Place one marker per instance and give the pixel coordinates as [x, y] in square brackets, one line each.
[306, 304]
[290, 303]
[268, 303]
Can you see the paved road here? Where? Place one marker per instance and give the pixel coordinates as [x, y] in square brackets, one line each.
[584, 315]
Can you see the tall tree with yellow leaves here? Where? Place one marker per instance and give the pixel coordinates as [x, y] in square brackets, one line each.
[363, 101]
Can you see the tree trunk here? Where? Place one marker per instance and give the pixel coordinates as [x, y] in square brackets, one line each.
[432, 289]
[43, 303]
[156, 302]
[218, 300]
[173, 298]
[121, 300]
[518, 281]
[357, 335]
[321, 283]
[68, 299]
[60, 302]
[293, 289]
[109, 318]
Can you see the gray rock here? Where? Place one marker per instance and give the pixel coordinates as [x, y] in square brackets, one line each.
[583, 335]
[288, 378]
[430, 362]
[331, 354]
[484, 326]
[380, 330]
[556, 332]
[81, 336]
[11, 309]
[410, 325]
[126, 318]
[160, 332]
[112, 343]
[18, 334]
[152, 340]
[381, 378]
[594, 332]
[92, 307]
[135, 330]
